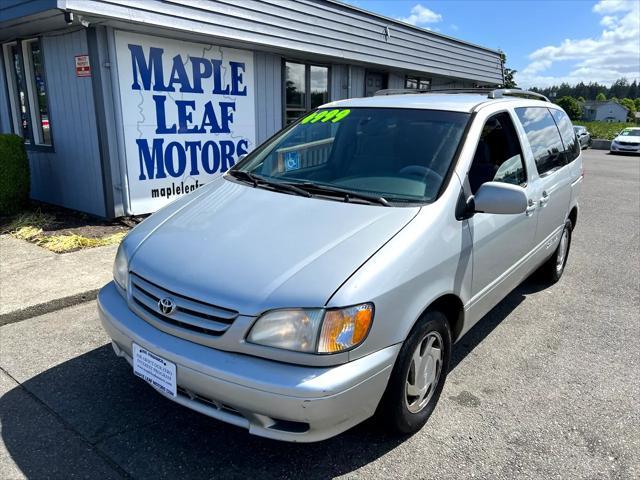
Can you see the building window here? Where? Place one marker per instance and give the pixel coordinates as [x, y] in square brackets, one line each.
[306, 87]
[27, 88]
[417, 83]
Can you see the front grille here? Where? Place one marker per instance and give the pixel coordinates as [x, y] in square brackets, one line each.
[189, 314]
[630, 144]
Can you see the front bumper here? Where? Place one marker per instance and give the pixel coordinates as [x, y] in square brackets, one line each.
[624, 148]
[270, 399]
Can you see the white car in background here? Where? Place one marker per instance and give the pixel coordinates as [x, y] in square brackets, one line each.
[627, 141]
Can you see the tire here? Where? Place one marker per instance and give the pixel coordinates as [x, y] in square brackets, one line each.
[402, 411]
[552, 269]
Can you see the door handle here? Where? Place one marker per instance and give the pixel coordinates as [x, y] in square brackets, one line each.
[545, 199]
[530, 208]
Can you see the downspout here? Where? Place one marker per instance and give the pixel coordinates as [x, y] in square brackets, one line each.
[101, 121]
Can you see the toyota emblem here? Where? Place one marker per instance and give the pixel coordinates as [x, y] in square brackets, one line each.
[166, 306]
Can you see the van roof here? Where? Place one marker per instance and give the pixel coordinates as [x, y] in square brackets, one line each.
[455, 102]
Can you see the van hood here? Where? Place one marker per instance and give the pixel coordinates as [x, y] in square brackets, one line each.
[251, 250]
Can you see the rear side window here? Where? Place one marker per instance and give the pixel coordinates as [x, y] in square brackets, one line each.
[569, 139]
[544, 138]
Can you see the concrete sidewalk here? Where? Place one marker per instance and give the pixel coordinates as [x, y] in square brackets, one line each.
[34, 281]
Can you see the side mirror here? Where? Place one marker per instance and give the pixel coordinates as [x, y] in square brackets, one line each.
[500, 198]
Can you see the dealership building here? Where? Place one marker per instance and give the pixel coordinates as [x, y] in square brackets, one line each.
[125, 105]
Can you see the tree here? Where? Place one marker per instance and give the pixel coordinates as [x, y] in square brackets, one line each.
[581, 99]
[601, 97]
[620, 88]
[571, 106]
[509, 73]
[631, 106]
[637, 104]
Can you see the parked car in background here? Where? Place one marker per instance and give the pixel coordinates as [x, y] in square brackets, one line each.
[628, 141]
[326, 276]
[584, 137]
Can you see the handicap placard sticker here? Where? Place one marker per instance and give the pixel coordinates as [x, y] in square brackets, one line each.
[291, 161]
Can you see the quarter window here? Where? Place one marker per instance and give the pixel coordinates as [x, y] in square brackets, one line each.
[568, 134]
[498, 157]
[306, 87]
[24, 72]
[544, 138]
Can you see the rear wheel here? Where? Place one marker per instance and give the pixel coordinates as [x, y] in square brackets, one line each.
[552, 269]
[418, 375]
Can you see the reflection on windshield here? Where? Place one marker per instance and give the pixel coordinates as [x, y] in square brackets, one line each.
[398, 154]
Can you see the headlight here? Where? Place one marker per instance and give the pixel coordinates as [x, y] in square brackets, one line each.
[313, 330]
[121, 268]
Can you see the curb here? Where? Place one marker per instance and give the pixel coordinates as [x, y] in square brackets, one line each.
[48, 307]
[600, 144]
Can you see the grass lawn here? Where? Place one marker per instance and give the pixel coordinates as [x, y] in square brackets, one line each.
[605, 130]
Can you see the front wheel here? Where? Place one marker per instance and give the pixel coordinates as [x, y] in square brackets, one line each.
[418, 375]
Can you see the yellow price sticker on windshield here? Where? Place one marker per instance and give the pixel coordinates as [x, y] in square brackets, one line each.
[324, 116]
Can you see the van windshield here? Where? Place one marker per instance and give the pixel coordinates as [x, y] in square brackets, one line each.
[393, 154]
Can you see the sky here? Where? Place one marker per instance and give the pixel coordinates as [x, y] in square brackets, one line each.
[546, 41]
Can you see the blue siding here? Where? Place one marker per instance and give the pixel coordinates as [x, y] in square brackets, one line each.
[396, 80]
[339, 82]
[321, 27]
[441, 83]
[357, 81]
[268, 86]
[11, 9]
[71, 175]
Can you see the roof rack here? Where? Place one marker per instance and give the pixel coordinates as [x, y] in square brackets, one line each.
[515, 92]
[398, 91]
[490, 91]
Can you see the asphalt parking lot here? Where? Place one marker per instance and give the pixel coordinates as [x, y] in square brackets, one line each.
[547, 385]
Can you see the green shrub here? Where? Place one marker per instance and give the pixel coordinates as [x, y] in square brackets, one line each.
[604, 130]
[14, 174]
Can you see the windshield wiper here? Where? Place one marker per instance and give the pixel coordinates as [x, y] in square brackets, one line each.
[284, 187]
[241, 174]
[258, 181]
[346, 194]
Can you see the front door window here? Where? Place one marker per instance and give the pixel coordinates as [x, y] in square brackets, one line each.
[498, 156]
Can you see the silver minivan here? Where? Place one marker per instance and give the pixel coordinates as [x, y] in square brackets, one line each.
[326, 276]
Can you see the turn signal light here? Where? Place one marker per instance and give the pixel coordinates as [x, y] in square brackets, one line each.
[345, 328]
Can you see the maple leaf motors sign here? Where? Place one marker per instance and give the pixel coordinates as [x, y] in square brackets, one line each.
[187, 114]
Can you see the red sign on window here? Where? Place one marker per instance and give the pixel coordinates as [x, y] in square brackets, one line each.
[83, 69]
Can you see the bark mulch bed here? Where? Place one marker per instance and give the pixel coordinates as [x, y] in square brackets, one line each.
[41, 222]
